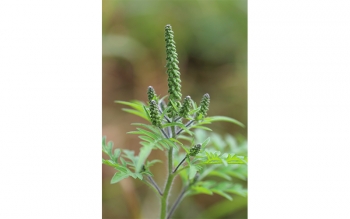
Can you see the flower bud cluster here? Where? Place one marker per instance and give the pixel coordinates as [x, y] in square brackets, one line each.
[204, 105]
[195, 150]
[151, 94]
[173, 70]
[186, 107]
[154, 113]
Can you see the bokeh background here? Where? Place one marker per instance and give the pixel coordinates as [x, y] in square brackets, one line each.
[211, 40]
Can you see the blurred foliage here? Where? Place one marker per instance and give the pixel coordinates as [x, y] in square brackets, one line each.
[211, 39]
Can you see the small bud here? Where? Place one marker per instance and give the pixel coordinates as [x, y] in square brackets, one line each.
[195, 150]
[186, 107]
[151, 94]
[204, 105]
[154, 113]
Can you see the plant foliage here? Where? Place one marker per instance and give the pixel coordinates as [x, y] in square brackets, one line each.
[180, 128]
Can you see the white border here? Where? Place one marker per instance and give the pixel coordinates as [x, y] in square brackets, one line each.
[50, 92]
[299, 107]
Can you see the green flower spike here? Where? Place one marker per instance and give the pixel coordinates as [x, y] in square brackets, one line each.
[185, 109]
[195, 150]
[151, 94]
[154, 113]
[204, 106]
[173, 70]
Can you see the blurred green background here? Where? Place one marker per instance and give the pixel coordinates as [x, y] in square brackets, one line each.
[211, 40]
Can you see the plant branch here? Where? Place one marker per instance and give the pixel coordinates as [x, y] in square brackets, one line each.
[177, 202]
[155, 185]
[183, 160]
[165, 135]
[187, 125]
[181, 169]
[152, 187]
[181, 196]
[177, 119]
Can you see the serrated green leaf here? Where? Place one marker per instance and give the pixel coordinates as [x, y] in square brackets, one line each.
[123, 169]
[152, 162]
[199, 190]
[219, 192]
[138, 109]
[122, 161]
[137, 113]
[172, 144]
[138, 175]
[225, 119]
[162, 143]
[150, 134]
[206, 171]
[201, 127]
[118, 176]
[130, 155]
[175, 140]
[219, 174]
[236, 174]
[135, 132]
[238, 190]
[146, 138]
[215, 158]
[179, 125]
[150, 127]
[109, 163]
[133, 175]
[234, 159]
[133, 104]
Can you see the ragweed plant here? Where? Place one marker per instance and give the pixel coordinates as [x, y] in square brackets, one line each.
[173, 128]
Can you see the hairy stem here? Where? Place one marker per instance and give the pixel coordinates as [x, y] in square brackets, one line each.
[164, 199]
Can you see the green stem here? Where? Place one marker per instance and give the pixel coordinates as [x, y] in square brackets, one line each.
[164, 199]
